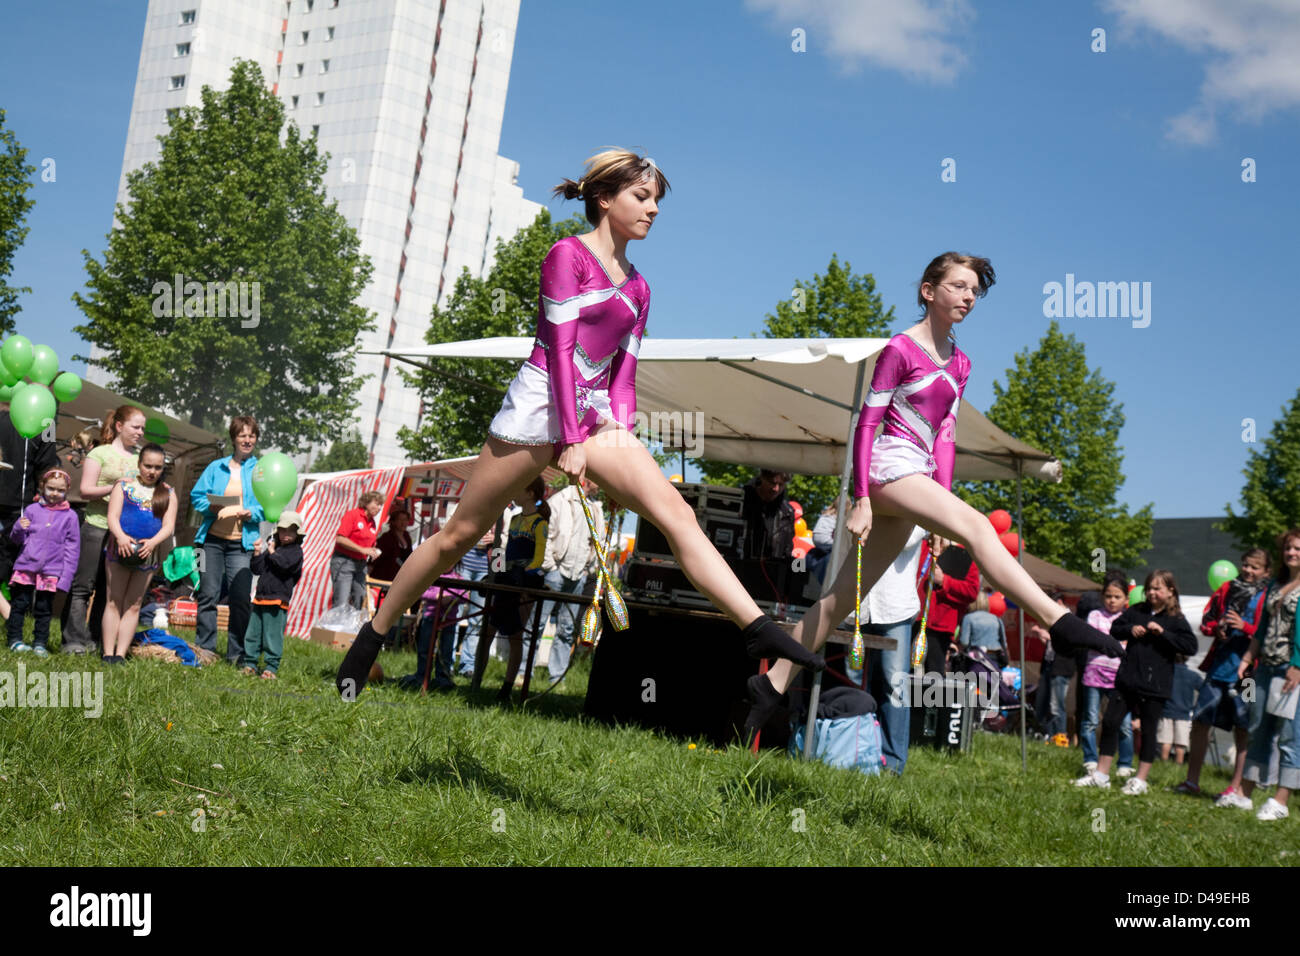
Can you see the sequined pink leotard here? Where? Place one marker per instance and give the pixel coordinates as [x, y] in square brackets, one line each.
[589, 332]
[917, 398]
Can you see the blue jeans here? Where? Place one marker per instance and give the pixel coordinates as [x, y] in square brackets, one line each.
[566, 616]
[467, 649]
[1263, 728]
[1092, 698]
[224, 563]
[348, 578]
[1050, 707]
[889, 670]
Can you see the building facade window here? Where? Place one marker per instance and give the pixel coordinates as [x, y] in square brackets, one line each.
[188, 17]
[329, 33]
[293, 102]
[297, 70]
[324, 66]
[320, 99]
[302, 37]
[182, 49]
[177, 82]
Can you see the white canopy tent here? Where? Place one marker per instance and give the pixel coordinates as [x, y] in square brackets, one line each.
[780, 403]
[788, 404]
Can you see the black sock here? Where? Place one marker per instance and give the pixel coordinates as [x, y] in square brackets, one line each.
[765, 702]
[766, 638]
[355, 669]
[1070, 633]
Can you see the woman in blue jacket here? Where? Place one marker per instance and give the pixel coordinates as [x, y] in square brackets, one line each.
[227, 536]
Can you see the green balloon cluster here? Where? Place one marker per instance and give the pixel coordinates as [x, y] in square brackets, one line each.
[274, 482]
[34, 404]
[1221, 572]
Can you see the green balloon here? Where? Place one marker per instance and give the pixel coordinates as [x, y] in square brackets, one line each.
[7, 377]
[1220, 572]
[17, 354]
[45, 365]
[31, 409]
[66, 387]
[274, 482]
[156, 431]
[7, 392]
[1136, 595]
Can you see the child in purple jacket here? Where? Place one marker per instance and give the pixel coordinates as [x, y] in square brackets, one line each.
[50, 539]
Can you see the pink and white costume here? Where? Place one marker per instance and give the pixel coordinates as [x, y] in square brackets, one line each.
[582, 370]
[917, 398]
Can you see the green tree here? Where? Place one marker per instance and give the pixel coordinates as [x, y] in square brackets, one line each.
[460, 398]
[15, 181]
[234, 204]
[1270, 499]
[1054, 402]
[838, 304]
[343, 455]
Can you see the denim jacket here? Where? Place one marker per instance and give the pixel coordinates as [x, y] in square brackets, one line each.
[213, 481]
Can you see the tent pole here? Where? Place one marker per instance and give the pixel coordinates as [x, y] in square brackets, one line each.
[1020, 556]
[838, 547]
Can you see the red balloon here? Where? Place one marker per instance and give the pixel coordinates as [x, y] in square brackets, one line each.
[1001, 521]
[801, 547]
[1011, 541]
[798, 510]
[997, 604]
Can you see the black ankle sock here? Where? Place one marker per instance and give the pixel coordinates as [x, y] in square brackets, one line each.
[1070, 633]
[764, 701]
[765, 638]
[355, 669]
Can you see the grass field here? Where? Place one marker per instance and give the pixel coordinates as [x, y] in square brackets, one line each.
[188, 767]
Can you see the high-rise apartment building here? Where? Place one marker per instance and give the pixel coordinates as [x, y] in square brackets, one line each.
[407, 97]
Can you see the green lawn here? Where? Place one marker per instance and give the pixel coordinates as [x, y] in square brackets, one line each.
[286, 774]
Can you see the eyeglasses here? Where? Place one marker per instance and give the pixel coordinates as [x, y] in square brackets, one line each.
[961, 288]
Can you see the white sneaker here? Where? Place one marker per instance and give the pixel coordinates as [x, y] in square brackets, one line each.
[1090, 766]
[1094, 779]
[1125, 772]
[1272, 810]
[1234, 798]
[1136, 787]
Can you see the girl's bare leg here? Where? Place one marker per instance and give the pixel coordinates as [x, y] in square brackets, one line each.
[137, 584]
[889, 534]
[501, 471]
[620, 464]
[116, 579]
[918, 499]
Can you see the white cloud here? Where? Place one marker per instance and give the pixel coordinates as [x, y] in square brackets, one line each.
[922, 39]
[1254, 68]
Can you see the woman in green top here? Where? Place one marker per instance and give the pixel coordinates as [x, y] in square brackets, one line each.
[104, 466]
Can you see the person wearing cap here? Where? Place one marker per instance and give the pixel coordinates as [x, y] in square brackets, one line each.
[278, 564]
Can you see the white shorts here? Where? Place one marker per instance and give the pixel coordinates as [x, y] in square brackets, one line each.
[528, 416]
[1176, 732]
[893, 458]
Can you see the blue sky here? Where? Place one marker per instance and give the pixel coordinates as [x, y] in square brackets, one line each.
[1115, 166]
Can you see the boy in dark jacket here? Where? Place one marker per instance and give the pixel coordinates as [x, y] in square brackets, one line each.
[1157, 633]
[279, 567]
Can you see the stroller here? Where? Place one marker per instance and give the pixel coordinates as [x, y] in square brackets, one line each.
[995, 688]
